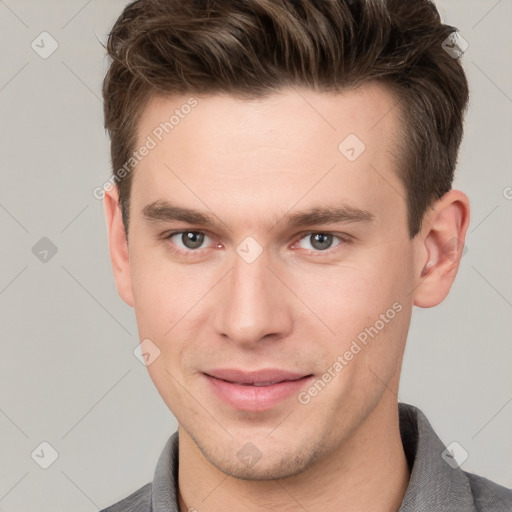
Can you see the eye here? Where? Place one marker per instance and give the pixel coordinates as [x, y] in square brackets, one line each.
[318, 241]
[187, 241]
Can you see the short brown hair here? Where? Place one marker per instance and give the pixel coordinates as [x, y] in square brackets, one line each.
[251, 48]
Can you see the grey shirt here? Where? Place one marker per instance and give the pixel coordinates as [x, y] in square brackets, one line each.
[437, 483]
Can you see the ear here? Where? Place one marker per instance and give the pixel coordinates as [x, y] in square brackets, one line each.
[438, 248]
[118, 246]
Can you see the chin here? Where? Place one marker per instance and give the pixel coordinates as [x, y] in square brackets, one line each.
[263, 467]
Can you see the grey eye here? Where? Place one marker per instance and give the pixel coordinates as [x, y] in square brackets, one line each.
[190, 239]
[318, 241]
[321, 241]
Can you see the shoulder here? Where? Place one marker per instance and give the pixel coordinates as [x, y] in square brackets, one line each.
[489, 496]
[139, 501]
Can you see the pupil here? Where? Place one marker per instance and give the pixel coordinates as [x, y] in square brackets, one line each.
[321, 241]
[192, 240]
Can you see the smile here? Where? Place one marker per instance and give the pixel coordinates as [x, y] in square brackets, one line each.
[255, 391]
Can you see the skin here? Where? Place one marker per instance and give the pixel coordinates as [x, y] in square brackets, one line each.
[296, 307]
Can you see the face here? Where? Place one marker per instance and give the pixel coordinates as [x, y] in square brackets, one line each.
[271, 269]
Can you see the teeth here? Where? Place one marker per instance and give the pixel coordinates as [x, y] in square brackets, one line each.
[259, 384]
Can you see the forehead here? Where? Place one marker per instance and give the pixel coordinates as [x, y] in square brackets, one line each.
[294, 145]
[293, 116]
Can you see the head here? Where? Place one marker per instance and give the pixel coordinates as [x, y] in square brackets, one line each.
[292, 204]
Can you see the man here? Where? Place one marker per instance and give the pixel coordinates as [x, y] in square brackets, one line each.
[281, 199]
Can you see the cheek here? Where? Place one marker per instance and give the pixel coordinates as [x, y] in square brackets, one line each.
[348, 294]
[373, 320]
[172, 305]
[364, 299]
[163, 291]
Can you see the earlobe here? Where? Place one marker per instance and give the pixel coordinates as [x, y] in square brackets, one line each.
[439, 248]
[118, 246]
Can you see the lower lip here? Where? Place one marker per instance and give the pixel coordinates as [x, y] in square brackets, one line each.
[255, 398]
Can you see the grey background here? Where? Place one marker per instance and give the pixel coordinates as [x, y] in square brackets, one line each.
[68, 375]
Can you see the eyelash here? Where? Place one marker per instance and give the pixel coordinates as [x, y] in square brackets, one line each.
[343, 240]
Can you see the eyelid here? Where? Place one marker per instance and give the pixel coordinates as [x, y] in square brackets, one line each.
[301, 235]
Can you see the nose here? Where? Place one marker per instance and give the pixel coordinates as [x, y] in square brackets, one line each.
[253, 304]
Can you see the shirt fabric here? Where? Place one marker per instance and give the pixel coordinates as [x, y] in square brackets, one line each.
[437, 483]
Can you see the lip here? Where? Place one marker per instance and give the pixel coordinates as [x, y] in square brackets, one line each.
[255, 390]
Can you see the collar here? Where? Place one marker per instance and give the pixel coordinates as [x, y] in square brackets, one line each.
[434, 485]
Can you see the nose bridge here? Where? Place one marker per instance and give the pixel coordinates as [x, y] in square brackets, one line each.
[252, 305]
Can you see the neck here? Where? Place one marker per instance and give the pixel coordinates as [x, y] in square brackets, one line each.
[368, 472]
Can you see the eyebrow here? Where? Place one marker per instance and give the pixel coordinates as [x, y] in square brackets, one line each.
[163, 211]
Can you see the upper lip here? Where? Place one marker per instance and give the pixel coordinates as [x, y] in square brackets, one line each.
[254, 377]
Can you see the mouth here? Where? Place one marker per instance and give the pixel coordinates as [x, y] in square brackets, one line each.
[255, 391]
